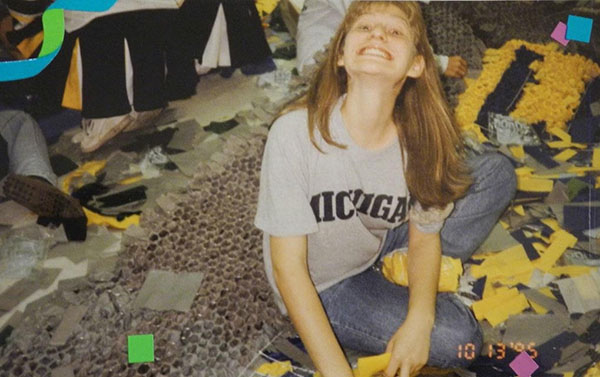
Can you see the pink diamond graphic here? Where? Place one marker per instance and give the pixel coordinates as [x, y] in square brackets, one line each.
[523, 365]
[559, 34]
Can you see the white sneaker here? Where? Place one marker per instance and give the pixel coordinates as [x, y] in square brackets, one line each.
[96, 132]
[78, 137]
[143, 119]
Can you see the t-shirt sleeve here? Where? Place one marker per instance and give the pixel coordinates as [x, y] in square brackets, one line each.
[283, 201]
[430, 220]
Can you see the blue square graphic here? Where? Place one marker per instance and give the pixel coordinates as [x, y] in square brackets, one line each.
[579, 28]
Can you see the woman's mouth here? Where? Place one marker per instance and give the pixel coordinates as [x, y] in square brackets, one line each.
[375, 51]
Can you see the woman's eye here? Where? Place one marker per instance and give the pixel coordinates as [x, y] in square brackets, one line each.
[395, 32]
[364, 27]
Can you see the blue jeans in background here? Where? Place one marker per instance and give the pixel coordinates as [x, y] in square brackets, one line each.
[366, 310]
[23, 147]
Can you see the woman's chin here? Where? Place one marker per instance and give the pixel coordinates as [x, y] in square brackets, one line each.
[375, 71]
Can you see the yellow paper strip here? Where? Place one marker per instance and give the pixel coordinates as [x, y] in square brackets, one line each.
[561, 240]
[519, 210]
[481, 307]
[523, 171]
[563, 144]
[517, 151]
[565, 155]
[572, 271]
[534, 184]
[552, 223]
[131, 180]
[582, 169]
[514, 305]
[369, 366]
[596, 158]
[562, 135]
[275, 369]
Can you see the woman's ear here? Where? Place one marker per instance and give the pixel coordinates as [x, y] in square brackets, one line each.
[340, 61]
[417, 67]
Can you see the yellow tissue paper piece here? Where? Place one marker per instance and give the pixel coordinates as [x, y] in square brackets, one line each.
[539, 309]
[522, 278]
[563, 144]
[561, 240]
[582, 169]
[519, 209]
[596, 158]
[131, 180]
[597, 185]
[510, 262]
[504, 224]
[266, 7]
[395, 269]
[534, 184]
[512, 306]
[593, 371]
[28, 46]
[565, 155]
[552, 223]
[90, 167]
[98, 219]
[482, 307]
[275, 369]
[524, 171]
[517, 151]
[368, 366]
[72, 94]
[562, 135]
[571, 271]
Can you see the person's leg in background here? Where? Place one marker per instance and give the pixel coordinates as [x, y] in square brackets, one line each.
[105, 104]
[244, 28]
[187, 39]
[29, 179]
[26, 149]
[316, 26]
[146, 34]
[366, 321]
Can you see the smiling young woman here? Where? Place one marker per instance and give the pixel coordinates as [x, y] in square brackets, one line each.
[370, 161]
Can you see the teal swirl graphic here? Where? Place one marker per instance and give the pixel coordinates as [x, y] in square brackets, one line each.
[53, 22]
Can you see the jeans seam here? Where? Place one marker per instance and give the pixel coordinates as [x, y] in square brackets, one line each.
[361, 332]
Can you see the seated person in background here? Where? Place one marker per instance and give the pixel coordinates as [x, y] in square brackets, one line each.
[320, 19]
[28, 176]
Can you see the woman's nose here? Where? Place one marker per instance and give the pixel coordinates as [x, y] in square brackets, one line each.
[378, 32]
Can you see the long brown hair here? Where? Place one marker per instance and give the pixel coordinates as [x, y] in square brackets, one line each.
[436, 173]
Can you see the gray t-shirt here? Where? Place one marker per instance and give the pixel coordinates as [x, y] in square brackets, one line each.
[344, 200]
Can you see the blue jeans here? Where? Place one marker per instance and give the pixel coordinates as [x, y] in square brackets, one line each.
[23, 147]
[366, 310]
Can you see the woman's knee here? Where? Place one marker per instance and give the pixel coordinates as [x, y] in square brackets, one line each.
[456, 342]
[493, 171]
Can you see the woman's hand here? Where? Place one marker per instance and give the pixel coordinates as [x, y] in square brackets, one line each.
[409, 347]
[457, 67]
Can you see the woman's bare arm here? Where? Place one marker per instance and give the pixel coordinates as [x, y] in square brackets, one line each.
[290, 270]
[410, 345]
[424, 258]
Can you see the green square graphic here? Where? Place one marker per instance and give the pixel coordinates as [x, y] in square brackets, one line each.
[140, 348]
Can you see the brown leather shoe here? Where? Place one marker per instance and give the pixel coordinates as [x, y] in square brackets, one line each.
[41, 197]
